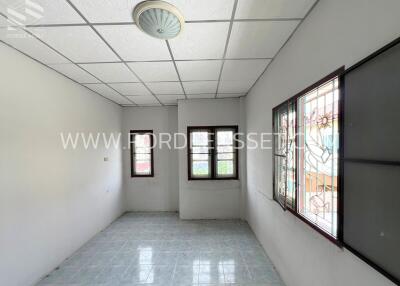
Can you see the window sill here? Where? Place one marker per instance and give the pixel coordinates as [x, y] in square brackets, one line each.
[332, 239]
[213, 179]
[142, 176]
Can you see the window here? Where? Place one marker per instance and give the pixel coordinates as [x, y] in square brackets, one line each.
[200, 153]
[284, 154]
[306, 155]
[142, 153]
[318, 115]
[213, 153]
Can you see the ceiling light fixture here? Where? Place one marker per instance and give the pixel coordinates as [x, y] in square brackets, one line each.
[158, 19]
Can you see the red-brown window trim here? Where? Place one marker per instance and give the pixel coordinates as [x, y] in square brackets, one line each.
[213, 130]
[132, 133]
[339, 239]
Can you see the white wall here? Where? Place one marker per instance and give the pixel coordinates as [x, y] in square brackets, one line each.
[336, 33]
[51, 200]
[159, 193]
[208, 199]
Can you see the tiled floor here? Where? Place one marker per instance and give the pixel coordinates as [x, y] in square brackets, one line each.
[160, 249]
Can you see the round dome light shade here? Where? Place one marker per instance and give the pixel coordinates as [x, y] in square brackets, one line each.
[158, 19]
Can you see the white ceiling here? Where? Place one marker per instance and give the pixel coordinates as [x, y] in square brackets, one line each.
[224, 48]
[131, 88]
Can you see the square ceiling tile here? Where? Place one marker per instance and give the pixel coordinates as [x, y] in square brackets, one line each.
[170, 99]
[200, 41]
[243, 69]
[121, 10]
[235, 86]
[226, 95]
[132, 44]
[199, 70]
[165, 87]
[272, 9]
[78, 43]
[39, 12]
[195, 87]
[106, 11]
[259, 39]
[109, 93]
[205, 9]
[29, 45]
[199, 96]
[144, 100]
[111, 72]
[74, 72]
[155, 71]
[135, 88]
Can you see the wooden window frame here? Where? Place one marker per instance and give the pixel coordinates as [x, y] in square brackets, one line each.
[132, 133]
[339, 239]
[213, 152]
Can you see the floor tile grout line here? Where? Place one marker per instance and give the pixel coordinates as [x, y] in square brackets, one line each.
[284, 44]
[112, 49]
[174, 271]
[226, 45]
[62, 55]
[176, 67]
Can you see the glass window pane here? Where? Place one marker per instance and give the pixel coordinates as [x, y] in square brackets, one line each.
[142, 140]
[225, 156]
[141, 157]
[224, 149]
[225, 168]
[280, 132]
[280, 151]
[225, 137]
[142, 167]
[142, 153]
[200, 150]
[200, 157]
[225, 165]
[318, 156]
[199, 138]
[204, 159]
[280, 179]
[291, 158]
[285, 154]
[200, 168]
[142, 150]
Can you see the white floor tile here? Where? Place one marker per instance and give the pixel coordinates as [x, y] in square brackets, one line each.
[159, 249]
